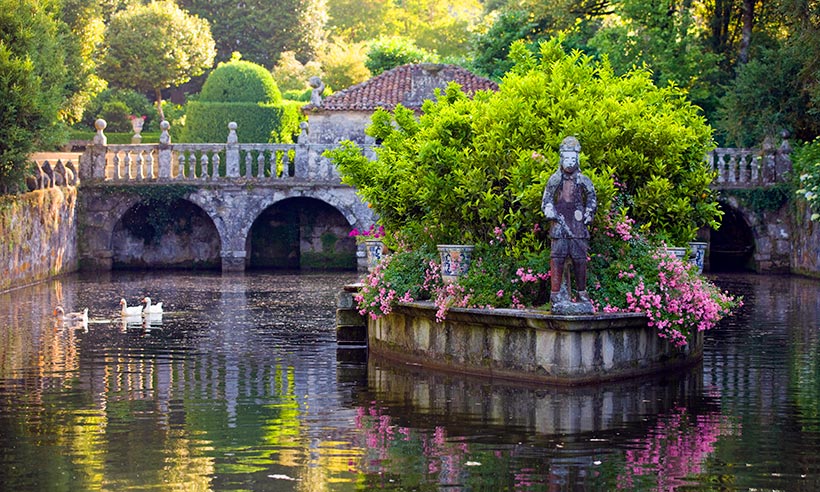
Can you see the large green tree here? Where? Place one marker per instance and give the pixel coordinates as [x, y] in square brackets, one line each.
[37, 62]
[263, 29]
[155, 46]
[471, 167]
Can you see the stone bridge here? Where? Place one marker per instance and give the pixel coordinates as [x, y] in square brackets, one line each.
[225, 205]
[235, 205]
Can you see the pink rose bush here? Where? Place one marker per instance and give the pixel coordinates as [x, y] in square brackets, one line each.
[626, 273]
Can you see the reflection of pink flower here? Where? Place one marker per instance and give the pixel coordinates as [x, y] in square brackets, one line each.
[676, 448]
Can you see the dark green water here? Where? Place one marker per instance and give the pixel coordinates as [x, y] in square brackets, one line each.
[242, 387]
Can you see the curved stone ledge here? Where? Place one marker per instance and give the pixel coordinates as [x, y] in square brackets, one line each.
[531, 346]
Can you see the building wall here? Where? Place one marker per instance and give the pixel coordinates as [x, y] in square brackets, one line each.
[331, 127]
[38, 235]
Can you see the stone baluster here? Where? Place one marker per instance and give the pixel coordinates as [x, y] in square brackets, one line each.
[191, 165]
[140, 166]
[755, 165]
[232, 152]
[180, 165]
[732, 168]
[285, 164]
[116, 162]
[126, 165]
[248, 164]
[164, 152]
[769, 170]
[216, 161]
[260, 165]
[742, 168]
[203, 161]
[721, 166]
[149, 165]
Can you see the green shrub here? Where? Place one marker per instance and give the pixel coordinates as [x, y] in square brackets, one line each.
[807, 170]
[467, 167]
[245, 93]
[240, 81]
[390, 52]
[114, 106]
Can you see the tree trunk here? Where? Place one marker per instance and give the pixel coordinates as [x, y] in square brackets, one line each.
[159, 105]
[747, 20]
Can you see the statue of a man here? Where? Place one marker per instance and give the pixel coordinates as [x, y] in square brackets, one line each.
[570, 203]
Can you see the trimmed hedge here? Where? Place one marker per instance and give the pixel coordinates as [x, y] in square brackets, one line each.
[240, 81]
[256, 123]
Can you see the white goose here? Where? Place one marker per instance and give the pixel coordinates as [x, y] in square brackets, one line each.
[129, 311]
[151, 308]
[76, 318]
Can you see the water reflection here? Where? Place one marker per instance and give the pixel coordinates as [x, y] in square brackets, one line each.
[240, 385]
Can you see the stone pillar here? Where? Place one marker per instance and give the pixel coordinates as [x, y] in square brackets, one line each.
[164, 150]
[782, 157]
[92, 162]
[232, 152]
[233, 261]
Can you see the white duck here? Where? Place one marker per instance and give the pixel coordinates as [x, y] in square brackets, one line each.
[77, 318]
[131, 311]
[151, 308]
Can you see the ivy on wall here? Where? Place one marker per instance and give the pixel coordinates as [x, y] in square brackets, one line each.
[763, 199]
[156, 211]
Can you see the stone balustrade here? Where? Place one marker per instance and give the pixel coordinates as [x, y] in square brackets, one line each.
[198, 162]
[748, 168]
[203, 162]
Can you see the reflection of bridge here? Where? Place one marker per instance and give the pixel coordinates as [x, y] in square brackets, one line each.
[232, 186]
[289, 198]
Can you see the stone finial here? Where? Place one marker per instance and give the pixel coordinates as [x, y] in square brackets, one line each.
[316, 93]
[100, 138]
[164, 136]
[232, 138]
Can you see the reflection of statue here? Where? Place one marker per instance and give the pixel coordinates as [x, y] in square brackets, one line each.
[569, 202]
[316, 93]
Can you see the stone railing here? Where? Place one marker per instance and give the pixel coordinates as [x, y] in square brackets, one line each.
[198, 162]
[747, 168]
[53, 169]
[736, 168]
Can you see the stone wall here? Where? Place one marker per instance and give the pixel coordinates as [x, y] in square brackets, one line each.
[805, 250]
[38, 235]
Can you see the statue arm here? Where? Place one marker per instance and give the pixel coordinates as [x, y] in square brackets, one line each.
[547, 205]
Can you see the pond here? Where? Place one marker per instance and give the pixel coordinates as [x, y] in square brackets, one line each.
[241, 386]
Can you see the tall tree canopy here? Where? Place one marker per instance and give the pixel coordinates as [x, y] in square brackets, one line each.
[751, 66]
[155, 46]
[263, 29]
[38, 70]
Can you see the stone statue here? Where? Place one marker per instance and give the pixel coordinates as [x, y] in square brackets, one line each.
[316, 93]
[569, 203]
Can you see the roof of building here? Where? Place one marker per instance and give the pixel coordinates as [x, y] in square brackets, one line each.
[407, 84]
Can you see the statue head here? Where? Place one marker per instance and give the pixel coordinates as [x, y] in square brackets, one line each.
[569, 150]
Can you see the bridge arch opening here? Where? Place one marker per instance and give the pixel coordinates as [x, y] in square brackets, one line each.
[732, 247]
[301, 234]
[178, 234]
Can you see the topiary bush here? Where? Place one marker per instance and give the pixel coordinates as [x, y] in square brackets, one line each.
[245, 93]
[240, 81]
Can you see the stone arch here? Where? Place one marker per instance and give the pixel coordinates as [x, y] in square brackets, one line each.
[732, 247]
[301, 232]
[185, 239]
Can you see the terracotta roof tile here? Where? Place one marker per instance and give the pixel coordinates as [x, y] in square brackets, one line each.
[407, 84]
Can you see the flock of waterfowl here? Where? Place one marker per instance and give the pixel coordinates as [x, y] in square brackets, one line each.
[146, 311]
